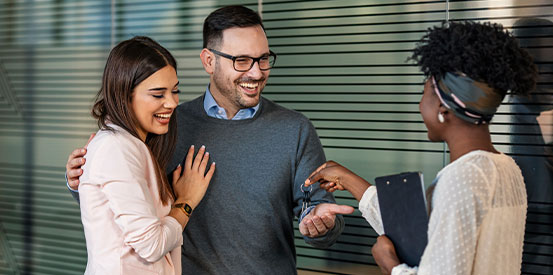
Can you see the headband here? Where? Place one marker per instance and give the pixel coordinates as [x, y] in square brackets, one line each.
[470, 100]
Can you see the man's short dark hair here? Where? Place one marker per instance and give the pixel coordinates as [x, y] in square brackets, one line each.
[226, 18]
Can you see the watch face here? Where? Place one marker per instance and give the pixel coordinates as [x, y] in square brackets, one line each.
[187, 208]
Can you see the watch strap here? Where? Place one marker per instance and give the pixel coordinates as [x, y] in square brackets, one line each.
[184, 207]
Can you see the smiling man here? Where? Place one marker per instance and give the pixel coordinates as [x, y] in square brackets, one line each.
[264, 152]
[237, 79]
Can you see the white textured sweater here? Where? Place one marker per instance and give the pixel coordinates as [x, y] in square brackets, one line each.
[477, 218]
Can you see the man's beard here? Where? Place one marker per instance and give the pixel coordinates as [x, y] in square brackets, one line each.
[234, 93]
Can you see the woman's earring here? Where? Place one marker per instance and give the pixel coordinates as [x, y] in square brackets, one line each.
[441, 118]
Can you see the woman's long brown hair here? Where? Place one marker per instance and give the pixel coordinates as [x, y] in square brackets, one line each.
[128, 64]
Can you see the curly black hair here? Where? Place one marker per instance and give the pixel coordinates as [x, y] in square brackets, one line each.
[483, 51]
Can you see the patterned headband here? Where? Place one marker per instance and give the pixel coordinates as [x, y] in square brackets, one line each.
[470, 100]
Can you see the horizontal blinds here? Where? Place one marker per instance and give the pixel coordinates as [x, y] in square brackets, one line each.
[51, 58]
[523, 128]
[342, 64]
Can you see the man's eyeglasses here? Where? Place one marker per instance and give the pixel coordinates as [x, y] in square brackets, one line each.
[245, 63]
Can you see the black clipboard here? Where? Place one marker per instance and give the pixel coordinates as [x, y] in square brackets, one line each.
[404, 215]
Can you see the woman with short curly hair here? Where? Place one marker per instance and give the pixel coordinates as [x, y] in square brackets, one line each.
[477, 202]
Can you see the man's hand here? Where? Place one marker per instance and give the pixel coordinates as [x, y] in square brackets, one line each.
[321, 219]
[74, 162]
[384, 254]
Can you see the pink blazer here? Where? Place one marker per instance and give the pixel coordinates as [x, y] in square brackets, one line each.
[126, 226]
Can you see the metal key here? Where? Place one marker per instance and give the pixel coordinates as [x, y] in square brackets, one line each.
[306, 203]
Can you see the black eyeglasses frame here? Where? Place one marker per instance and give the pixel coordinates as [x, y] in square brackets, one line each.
[254, 59]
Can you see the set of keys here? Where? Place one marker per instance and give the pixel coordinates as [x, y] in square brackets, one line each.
[306, 197]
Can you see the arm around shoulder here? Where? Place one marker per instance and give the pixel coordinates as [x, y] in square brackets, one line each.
[74, 193]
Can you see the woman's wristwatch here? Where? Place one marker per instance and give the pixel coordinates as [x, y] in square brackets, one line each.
[184, 207]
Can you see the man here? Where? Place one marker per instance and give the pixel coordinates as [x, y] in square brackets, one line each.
[263, 152]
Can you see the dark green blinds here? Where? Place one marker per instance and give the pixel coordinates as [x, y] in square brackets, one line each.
[523, 126]
[342, 63]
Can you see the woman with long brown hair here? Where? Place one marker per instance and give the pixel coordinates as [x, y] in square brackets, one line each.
[133, 217]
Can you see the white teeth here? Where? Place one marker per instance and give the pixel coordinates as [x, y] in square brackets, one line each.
[163, 115]
[249, 85]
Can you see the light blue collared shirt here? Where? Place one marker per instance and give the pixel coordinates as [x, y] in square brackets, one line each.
[214, 110]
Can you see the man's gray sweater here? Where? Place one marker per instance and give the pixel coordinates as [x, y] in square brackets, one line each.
[244, 224]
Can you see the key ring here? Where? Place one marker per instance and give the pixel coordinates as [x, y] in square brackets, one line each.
[306, 202]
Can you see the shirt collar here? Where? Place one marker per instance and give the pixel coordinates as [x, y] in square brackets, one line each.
[214, 110]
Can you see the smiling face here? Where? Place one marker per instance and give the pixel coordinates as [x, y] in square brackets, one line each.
[235, 90]
[154, 100]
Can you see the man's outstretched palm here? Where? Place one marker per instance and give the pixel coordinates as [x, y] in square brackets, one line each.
[321, 219]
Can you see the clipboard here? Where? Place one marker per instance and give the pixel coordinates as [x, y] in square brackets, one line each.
[404, 215]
